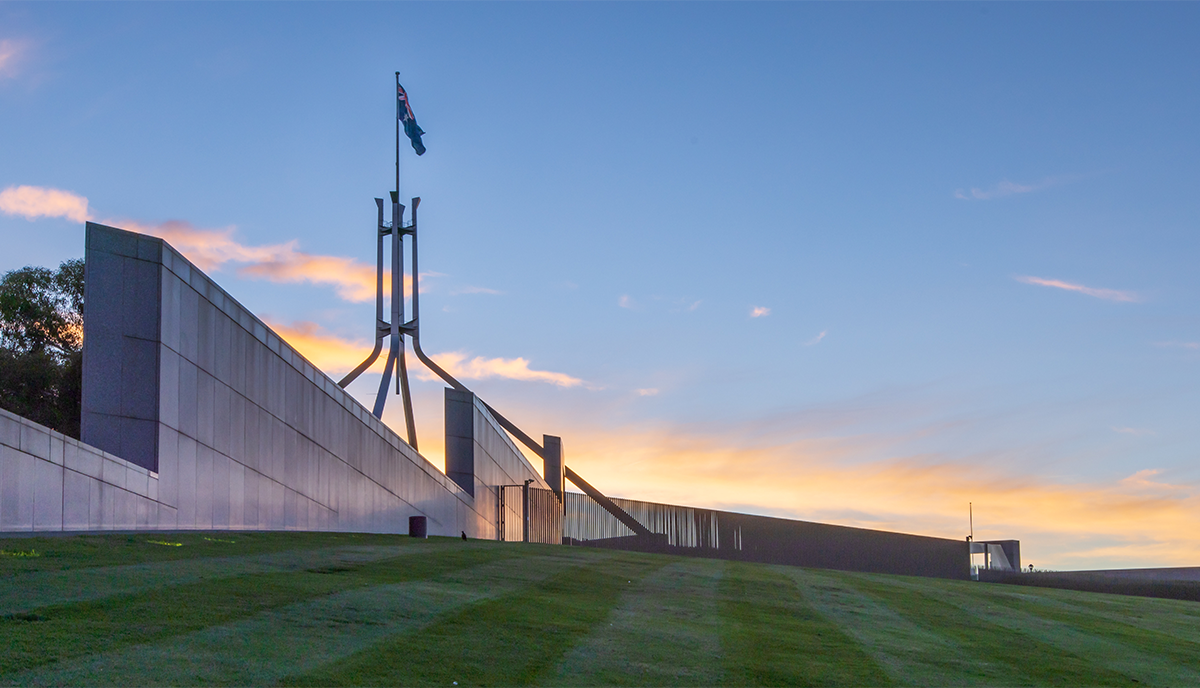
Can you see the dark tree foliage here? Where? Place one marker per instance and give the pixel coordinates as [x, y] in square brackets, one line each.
[41, 341]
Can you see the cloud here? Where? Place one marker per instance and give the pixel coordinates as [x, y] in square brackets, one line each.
[212, 249]
[1180, 345]
[328, 352]
[1140, 520]
[695, 305]
[33, 202]
[1006, 188]
[10, 54]
[475, 290]
[625, 301]
[759, 312]
[461, 366]
[817, 338]
[648, 392]
[1106, 294]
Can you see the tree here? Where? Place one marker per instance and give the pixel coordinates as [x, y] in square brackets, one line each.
[41, 341]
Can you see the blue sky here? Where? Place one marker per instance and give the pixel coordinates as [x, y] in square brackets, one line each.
[968, 231]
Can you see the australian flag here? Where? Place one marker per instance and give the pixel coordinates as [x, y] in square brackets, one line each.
[405, 113]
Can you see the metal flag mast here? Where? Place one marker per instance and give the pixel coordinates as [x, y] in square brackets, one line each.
[396, 328]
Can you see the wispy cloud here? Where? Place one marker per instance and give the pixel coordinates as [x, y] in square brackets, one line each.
[334, 354]
[625, 301]
[464, 367]
[11, 52]
[474, 290]
[1136, 432]
[817, 338]
[695, 304]
[33, 202]
[212, 249]
[1006, 188]
[1106, 294]
[759, 311]
[1180, 345]
[647, 392]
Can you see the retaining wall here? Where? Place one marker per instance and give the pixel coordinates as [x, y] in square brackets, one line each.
[187, 393]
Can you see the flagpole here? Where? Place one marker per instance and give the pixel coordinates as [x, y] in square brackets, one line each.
[397, 136]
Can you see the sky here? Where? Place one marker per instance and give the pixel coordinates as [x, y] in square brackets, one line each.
[857, 263]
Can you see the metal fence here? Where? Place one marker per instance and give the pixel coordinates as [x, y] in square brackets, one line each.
[529, 514]
[684, 526]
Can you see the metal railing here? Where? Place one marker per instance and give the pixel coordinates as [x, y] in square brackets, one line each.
[529, 514]
[684, 526]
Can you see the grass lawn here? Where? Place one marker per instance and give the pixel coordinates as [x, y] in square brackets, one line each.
[317, 609]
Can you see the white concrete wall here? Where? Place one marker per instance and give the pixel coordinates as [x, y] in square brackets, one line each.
[239, 429]
[51, 482]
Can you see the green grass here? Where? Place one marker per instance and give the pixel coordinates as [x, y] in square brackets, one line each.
[305, 609]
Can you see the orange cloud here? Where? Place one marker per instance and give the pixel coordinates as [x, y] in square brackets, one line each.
[1136, 521]
[210, 249]
[759, 311]
[328, 352]
[332, 353]
[32, 202]
[1106, 294]
[478, 368]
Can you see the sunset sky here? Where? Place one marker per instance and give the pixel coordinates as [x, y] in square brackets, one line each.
[854, 263]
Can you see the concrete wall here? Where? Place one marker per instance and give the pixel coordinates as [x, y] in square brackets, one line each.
[51, 482]
[239, 429]
[480, 456]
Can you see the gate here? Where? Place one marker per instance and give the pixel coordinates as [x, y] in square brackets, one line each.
[529, 514]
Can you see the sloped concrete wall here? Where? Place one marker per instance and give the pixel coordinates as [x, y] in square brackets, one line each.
[240, 430]
[52, 482]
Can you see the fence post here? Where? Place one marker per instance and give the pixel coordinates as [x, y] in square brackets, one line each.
[525, 510]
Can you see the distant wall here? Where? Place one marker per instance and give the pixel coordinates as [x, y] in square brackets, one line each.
[240, 430]
[726, 535]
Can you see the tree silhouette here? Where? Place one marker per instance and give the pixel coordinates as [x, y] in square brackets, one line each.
[41, 341]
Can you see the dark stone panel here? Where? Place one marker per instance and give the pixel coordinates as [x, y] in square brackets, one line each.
[460, 462]
[140, 299]
[460, 414]
[139, 442]
[139, 379]
[102, 357]
[105, 239]
[150, 249]
[103, 285]
[101, 430]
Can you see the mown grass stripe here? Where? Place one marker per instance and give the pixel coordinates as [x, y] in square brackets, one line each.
[104, 625]
[513, 640]
[261, 649]
[1037, 649]
[664, 631]
[33, 590]
[83, 551]
[1137, 622]
[909, 653]
[772, 637]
